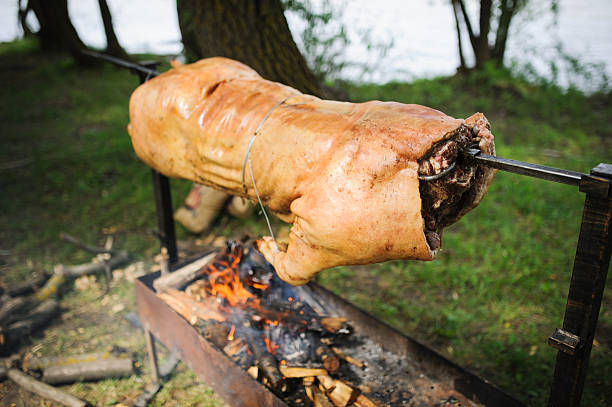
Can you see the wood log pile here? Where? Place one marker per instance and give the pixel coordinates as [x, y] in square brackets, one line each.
[29, 306]
[276, 332]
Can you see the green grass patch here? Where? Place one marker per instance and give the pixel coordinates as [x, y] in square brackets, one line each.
[489, 302]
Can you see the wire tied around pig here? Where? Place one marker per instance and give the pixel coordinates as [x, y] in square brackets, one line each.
[247, 159]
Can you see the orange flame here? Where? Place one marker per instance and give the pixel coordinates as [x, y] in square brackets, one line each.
[230, 337]
[224, 281]
[270, 346]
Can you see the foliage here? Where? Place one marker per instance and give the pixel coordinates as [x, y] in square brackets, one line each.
[324, 38]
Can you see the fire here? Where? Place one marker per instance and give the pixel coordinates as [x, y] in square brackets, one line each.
[230, 337]
[224, 281]
[259, 286]
[270, 346]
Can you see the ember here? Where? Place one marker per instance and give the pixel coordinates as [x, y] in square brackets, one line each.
[281, 334]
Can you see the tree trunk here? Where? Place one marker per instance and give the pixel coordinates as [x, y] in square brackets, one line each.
[56, 30]
[254, 32]
[22, 14]
[462, 65]
[482, 51]
[508, 9]
[112, 44]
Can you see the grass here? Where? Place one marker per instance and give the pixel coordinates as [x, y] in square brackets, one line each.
[489, 302]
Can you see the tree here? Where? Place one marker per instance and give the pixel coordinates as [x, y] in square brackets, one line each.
[112, 44]
[493, 13]
[56, 31]
[254, 32]
[57, 34]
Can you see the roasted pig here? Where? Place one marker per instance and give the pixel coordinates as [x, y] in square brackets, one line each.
[347, 175]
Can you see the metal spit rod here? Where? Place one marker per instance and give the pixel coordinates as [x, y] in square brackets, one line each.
[140, 69]
[523, 168]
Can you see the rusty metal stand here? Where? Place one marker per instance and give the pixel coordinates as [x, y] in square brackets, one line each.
[591, 264]
[152, 352]
[165, 221]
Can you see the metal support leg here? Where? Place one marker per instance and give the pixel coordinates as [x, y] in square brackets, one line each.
[165, 221]
[152, 355]
[591, 265]
[161, 185]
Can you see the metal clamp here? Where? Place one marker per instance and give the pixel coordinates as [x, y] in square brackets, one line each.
[565, 341]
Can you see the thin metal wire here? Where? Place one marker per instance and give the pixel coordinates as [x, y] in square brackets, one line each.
[247, 159]
[248, 153]
[260, 203]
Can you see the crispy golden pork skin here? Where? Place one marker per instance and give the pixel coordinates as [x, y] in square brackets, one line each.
[345, 174]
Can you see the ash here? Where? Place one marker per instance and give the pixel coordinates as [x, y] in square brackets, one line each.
[393, 380]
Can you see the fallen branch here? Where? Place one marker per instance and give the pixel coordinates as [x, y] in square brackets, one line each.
[44, 390]
[35, 319]
[82, 245]
[117, 259]
[40, 363]
[52, 287]
[29, 286]
[62, 273]
[88, 371]
[11, 307]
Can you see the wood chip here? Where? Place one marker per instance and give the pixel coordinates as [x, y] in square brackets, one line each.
[253, 371]
[363, 401]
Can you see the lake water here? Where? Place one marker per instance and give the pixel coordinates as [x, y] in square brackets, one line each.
[424, 39]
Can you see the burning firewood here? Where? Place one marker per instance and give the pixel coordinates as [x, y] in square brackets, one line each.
[264, 325]
[334, 324]
[239, 351]
[253, 371]
[319, 398]
[214, 331]
[189, 309]
[266, 362]
[329, 359]
[298, 371]
[183, 276]
[340, 393]
[363, 401]
[348, 358]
